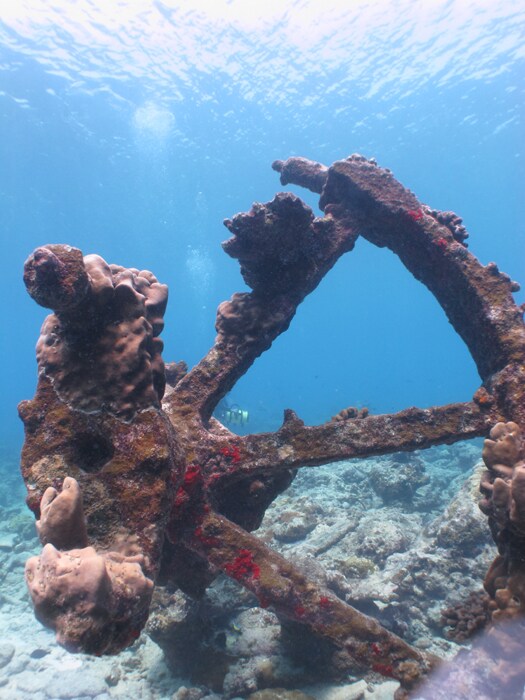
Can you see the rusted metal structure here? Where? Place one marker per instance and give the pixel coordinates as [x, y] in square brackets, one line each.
[134, 481]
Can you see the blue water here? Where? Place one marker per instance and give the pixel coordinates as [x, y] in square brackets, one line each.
[133, 129]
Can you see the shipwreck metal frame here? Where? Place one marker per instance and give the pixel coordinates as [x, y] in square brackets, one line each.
[218, 484]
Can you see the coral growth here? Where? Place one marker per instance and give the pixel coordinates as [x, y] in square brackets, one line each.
[117, 312]
[467, 617]
[398, 480]
[170, 494]
[96, 603]
[62, 522]
[503, 487]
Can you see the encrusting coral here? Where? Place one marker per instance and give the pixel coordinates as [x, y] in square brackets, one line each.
[94, 601]
[120, 309]
[134, 481]
[467, 617]
[503, 485]
[62, 522]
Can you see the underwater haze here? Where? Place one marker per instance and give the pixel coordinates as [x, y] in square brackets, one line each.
[132, 129]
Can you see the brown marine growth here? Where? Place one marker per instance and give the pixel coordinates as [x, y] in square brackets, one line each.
[165, 486]
[467, 617]
[100, 455]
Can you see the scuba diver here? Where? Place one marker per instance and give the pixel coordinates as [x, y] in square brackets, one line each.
[231, 414]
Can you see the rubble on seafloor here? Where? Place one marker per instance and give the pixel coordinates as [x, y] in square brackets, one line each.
[403, 561]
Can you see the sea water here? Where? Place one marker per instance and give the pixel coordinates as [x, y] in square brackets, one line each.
[132, 129]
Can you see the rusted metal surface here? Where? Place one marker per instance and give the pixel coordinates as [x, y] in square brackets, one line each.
[169, 482]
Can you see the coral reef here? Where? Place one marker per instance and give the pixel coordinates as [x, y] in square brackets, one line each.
[467, 617]
[121, 310]
[62, 522]
[399, 479]
[95, 603]
[108, 448]
[169, 494]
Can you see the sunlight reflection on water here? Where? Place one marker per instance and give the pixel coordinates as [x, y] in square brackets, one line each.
[374, 46]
